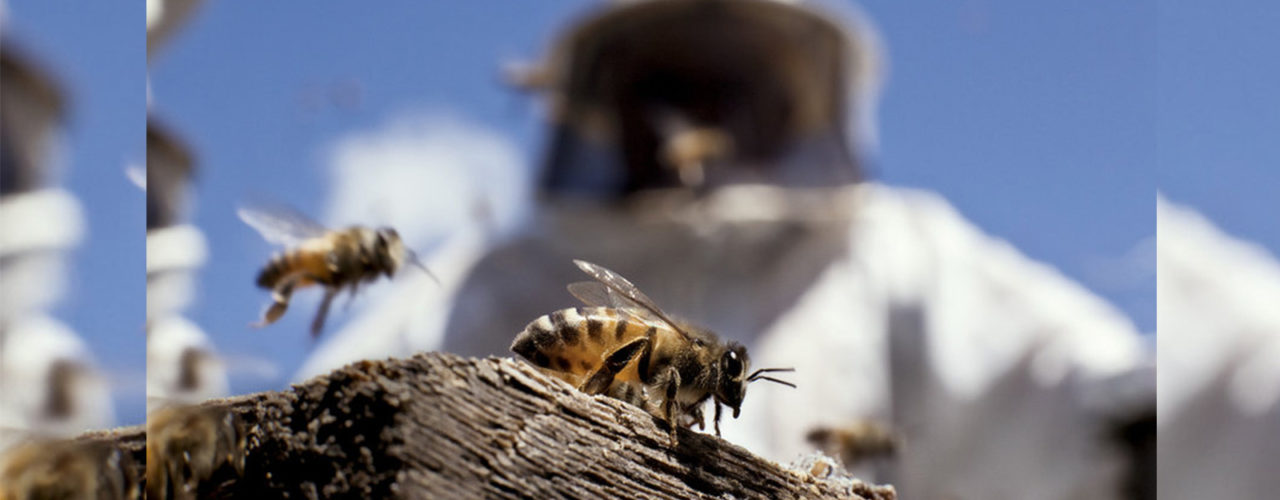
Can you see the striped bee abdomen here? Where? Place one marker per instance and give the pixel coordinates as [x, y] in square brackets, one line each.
[289, 262]
[572, 343]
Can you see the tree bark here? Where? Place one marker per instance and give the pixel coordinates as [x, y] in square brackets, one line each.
[442, 426]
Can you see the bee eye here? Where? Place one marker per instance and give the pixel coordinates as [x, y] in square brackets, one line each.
[732, 364]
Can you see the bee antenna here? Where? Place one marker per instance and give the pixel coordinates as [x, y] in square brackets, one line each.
[756, 374]
[771, 379]
[413, 260]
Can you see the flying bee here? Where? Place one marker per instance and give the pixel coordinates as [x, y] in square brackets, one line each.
[315, 255]
[624, 346]
[856, 441]
[186, 445]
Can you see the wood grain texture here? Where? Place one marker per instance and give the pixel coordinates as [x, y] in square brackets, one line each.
[443, 426]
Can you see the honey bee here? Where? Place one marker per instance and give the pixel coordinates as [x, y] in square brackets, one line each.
[856, 441]
[71, 469]
[690, 150]
[187, 444]
[624, 346]
[315, 255]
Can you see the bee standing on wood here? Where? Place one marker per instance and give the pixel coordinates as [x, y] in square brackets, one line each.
[315, 255]
[626, 347]
[70, 469]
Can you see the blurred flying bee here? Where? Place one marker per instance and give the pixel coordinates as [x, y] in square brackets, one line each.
[855, 441]
[626, 347]
[70, 469]
[314, 255]
[187, 444]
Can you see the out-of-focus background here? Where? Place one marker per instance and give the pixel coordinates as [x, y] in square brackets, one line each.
[1219, 274]
[1046, 127]
[1047, 109]
[74, 324]
[987, 295]
[1219, 373]
[1217, 114]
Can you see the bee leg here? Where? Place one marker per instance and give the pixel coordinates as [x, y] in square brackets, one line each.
[696, 418]
[628, 393]
[602, 378]
[717, 419]
[317, 324]
[355, 287]
[280, 301]
[669, 380]
[177, 480]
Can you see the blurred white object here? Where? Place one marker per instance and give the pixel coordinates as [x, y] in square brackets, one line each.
[433, 178]
[182, 365]
[47, 219]
[39, 227]
[49, 386]
[1219, 374]
[137, 175]
[175, 248]
[999, 372]
[975, 353]
[174, 253]
[164, 19]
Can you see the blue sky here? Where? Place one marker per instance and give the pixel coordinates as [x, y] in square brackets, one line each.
[1050, 125]
[1219, 114]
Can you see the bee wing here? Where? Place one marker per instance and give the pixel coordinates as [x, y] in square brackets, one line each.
[594, 293]
[618, 293]
[281, 226]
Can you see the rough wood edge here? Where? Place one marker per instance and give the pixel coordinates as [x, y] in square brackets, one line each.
[439, 425]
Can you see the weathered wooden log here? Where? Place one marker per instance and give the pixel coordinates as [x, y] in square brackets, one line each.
[443, 426]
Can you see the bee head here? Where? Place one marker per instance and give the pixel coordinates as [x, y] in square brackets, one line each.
[733, 376]
[390, 250]
[734, 364]
[393, 255]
